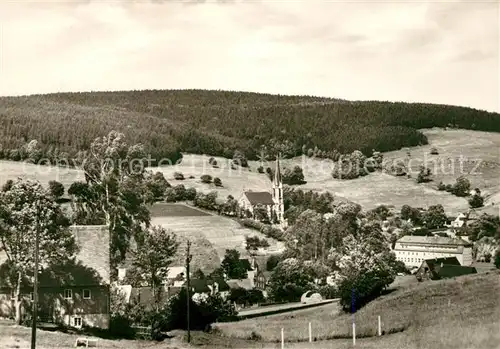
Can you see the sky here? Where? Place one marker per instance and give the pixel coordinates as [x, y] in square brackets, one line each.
[416, 51]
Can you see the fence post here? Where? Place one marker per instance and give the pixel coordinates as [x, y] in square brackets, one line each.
[379, 326]
[282, 339]
[353, 333]
[310, 333]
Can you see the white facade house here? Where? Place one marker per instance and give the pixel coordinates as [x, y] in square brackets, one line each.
[272, 202]
[413, 250]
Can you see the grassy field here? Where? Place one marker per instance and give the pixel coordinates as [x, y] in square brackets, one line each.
[370, 191]
[478, 148]
[222, 232]
[455, 313]
[161, 209]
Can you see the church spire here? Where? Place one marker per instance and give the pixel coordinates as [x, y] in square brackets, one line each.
[277, 172]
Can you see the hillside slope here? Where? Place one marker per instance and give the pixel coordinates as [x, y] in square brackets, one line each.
[218, 122]
[456, 313]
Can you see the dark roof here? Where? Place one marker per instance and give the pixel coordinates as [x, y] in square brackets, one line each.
[223, 286]
[246, 264]
[259, 197]
[144, 295]
[199, 285]
[438, 261]
[448, 271]
[245, 284]
[94, 244]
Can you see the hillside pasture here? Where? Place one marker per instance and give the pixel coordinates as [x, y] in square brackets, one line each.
[13, 170]
[454, 313]
[222, 232]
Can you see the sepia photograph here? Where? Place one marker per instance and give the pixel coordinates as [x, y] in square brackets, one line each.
[250, 174]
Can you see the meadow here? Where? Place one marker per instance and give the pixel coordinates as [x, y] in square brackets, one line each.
[456, 313]
[222, 232]
[479, 148]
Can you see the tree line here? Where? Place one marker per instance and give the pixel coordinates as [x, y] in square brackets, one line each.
[220, 123]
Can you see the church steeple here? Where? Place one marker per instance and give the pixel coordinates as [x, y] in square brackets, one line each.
[279, 206]
[277, 172]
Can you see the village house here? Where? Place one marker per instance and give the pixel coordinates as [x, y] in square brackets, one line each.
[271, 202]
[75, 294]
[413, 250]
[442, 268]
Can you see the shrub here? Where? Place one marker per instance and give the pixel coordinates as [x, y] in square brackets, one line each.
[211, 161]
[260, 169]
[178, 176]
[192, 177]
[206, 178]
[217, 182]
[441, 186]
[56, 189]
[497, 259]
[487, 257]
[434, 151]
[476, 201]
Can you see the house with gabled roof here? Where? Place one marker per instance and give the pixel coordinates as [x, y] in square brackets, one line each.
[442, 268]
[76, 293]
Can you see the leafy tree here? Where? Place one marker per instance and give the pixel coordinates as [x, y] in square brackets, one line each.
[486, 225]
[272, 262]
[253, 243]
[56, 189]
[461, 187]
[25, 209]
[202, 313]
[424, 175]
[294, 176]
[476, 201]
[364, 263]
[240, 159]
[232, 266]
[411, 213]
[290, 279]
[115, 190]
[178, 176]
[217, 182]
[487, 257]
[379, 213]
[435, 217]
[7, 185]
[260, 213]
[153, 256]
[156, 184]
[206, 178]
[497, 259]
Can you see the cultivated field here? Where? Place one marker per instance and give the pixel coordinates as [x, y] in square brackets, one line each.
[455, 313]
[222, 232]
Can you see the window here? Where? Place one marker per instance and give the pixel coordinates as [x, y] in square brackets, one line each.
[68, 294]
[86, 294]
[77, 322]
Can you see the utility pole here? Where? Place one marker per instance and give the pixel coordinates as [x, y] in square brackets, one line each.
[188, 288]
[35, 280]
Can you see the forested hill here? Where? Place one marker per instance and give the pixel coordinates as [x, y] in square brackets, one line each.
[219, 122]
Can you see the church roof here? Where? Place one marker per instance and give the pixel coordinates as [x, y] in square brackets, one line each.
[259, 197]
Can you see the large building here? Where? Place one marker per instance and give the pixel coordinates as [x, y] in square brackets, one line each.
[271, 202]
[76, 293]
[413, 250]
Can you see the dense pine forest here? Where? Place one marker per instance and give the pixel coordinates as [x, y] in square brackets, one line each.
[218, 123]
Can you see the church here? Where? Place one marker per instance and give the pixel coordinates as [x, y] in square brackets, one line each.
[272, 202]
